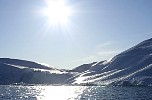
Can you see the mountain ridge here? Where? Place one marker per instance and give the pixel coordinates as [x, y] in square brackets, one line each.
[24, 63]
[130, 67]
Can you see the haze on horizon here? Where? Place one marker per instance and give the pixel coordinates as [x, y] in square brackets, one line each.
[87, 31]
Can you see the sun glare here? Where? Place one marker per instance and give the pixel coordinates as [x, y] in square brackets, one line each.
[61, 92]
[57, 12]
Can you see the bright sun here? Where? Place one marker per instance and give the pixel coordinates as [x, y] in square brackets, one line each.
[57, 12]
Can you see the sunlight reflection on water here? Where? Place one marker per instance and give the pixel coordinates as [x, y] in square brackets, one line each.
[10, 92]
[13, 92]
[61, 92]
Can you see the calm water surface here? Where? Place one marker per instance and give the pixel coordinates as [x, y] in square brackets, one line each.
[11, 92]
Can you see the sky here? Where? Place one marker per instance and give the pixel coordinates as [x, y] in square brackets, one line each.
[95, 30]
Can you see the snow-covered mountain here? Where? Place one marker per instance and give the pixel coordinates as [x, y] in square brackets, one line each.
[82, 68]
[131, 67]
[24, 63]
[15, 71]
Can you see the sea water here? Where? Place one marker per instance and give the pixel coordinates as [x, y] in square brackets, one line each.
[14, 92]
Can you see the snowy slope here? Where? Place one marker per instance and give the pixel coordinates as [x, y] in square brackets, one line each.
[83, 67]
[27, 72]
[23, 63]
[132, 66]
